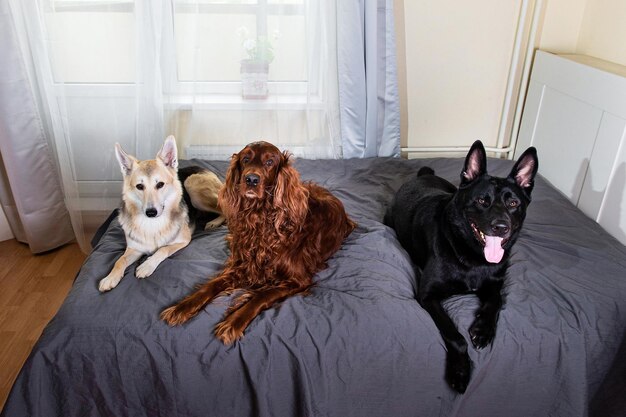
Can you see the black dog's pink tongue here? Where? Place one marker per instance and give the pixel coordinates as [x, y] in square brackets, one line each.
[493, 249]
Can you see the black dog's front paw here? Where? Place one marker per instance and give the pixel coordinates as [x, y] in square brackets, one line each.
[458, 370]
[482, 331]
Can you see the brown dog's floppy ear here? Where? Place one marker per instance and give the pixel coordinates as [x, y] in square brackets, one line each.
[290, 196]
[228, 197]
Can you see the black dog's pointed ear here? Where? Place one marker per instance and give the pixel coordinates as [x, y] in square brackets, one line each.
[475, 163]
[525, 169]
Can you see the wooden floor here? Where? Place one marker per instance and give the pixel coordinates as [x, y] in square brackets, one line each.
[32, 288]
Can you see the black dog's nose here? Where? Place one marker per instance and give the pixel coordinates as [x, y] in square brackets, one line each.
[252, 180]
[499, 227]
[151, 212]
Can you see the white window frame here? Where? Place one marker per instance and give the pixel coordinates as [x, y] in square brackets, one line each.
[213, 89]
[204, 94]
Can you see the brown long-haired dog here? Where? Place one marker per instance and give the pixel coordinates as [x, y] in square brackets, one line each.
[282, 231]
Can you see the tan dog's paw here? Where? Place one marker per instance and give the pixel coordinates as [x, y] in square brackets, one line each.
[215, 223]
[146, 268]
[109, 282]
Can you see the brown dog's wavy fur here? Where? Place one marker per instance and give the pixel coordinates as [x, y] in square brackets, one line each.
[282, 231]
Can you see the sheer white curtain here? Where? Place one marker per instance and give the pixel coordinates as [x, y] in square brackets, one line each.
[134, 72]
[202, 76]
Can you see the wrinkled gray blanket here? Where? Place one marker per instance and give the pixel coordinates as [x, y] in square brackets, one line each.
[359, 344]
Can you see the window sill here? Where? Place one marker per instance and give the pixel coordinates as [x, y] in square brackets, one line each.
[199, 100]
[237, 102]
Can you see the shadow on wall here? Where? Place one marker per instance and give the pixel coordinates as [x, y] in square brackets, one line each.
[613, 214]
[607, 204]
[577, 186]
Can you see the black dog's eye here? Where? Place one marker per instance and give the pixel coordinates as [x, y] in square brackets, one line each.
[481, 201]
[140, 187]
[513, 203]
[159, 185]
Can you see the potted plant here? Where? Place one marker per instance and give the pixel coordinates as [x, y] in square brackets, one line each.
[255, 67]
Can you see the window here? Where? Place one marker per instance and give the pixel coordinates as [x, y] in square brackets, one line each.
[91, 41]
[211, 37]
[135, 71]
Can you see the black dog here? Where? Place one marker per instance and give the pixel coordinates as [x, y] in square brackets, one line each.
[461, 239]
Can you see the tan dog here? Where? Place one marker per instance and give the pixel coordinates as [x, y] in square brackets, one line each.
[153, 214]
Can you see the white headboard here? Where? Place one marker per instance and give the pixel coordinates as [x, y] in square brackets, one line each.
[575, 115]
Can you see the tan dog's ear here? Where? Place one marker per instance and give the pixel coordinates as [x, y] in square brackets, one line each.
[126, 161]
[168, 153]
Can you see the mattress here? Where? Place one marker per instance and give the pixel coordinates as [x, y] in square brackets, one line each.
[359, 344]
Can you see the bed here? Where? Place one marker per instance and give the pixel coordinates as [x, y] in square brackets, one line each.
[359, 344]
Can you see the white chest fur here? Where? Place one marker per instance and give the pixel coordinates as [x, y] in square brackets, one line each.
[147, 234]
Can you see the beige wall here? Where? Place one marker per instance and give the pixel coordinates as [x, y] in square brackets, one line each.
[457, 61]
[603, 30]
[561, 25]
[454, 59]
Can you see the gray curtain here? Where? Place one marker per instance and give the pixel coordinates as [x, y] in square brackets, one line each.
[368, 85]
[30, 188]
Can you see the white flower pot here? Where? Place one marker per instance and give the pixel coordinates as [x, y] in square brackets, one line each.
[254, 79]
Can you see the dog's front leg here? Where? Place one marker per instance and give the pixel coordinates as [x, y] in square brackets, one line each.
[149, 265]
[483, 330]
[233, 326]
[115, 276]
[458, 363]
[193, 303]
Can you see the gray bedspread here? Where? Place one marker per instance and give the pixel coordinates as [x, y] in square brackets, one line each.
[359, 344]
